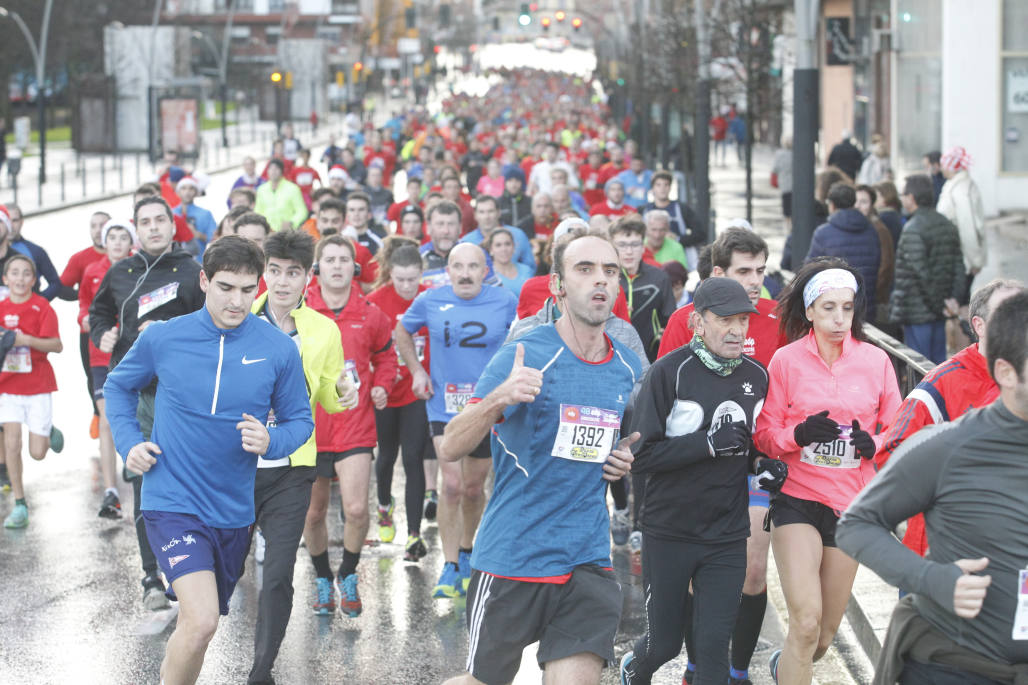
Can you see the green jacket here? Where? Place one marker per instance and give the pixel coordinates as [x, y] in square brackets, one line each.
[321, 352]
[282, 204]
[929, 268]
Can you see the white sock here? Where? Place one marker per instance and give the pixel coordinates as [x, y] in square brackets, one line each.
[111, 491]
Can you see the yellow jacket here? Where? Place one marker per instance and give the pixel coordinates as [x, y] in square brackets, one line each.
[321, 352]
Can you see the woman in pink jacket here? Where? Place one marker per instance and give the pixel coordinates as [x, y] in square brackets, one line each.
[829, 392]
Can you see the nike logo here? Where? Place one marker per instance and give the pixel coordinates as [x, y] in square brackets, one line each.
[253, 361]
[444, 307]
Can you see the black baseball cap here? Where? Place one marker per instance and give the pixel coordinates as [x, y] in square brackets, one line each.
[723, 296]
[411, 209]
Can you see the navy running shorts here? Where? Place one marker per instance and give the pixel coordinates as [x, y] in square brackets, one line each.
[99, 376]
[482, 451]
[786, 509]
[326, 464]
[184, 544]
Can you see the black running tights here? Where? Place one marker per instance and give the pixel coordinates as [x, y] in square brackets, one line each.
[402, 430]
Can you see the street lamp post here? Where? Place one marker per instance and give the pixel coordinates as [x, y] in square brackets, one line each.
[39, 56]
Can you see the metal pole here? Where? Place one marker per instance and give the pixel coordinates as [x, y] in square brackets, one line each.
[702, 123]
[41, 85]
[103, 176]
[804, 127]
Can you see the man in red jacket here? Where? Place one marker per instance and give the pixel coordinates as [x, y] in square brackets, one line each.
[346, 440]
[952, 388]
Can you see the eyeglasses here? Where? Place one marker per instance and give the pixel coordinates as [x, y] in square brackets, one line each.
[628, 246]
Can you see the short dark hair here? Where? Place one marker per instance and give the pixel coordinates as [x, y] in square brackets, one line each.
[555, 145]
[921, 188]
[333, 204]
[247, 192]
[485, 197]
[628, 223]
[487, 244]
[735, 240]
[661, 176]
[842, 195]
[296, 246]
[704, 265]
[275, 161]
[933, 156]
[870, 193]
[1007, 334]
[560, 246]
[979, 305]
[252, 218]
[890, 196]
[445, 207]
[17, 256]
[234, 254]
[147, 189]
[334, 239]
[792, 312]
[360, 196]
[320, 193]
[152, 200]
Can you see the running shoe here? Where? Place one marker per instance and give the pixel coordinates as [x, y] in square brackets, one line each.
[154, 598]
[324, 597]
[18, 518]
[416, 549]
[111, 507]
[620, 526]
[5, 479]
[739, 681]
[773, 664]
[386, 529]
[94, 427]
[431, 504]
[259, 546]
[449, 585]
[635, 542]
[56, 439]
[349, 599]
[626, 664]
[464, 568]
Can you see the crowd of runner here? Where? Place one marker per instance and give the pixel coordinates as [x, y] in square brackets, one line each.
[531, 303]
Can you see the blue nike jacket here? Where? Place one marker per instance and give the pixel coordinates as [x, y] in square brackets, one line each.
[208, 378]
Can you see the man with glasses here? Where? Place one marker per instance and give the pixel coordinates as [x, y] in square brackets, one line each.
[651, 301]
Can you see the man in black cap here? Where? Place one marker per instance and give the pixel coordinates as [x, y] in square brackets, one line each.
[695, 412]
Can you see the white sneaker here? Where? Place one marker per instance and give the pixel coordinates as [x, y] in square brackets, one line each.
[154, 599]
[259, 546]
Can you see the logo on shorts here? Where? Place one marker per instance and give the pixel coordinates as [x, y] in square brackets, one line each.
[189, 539]
[171, 543]
[174, 560]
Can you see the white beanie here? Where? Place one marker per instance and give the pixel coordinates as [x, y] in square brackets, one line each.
[118, 223]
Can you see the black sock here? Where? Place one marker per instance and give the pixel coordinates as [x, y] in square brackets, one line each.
[321, 565]
[747, 629]
[21, 501]
[3, 469]
[466, 550]
[687, 632]
[350, 561]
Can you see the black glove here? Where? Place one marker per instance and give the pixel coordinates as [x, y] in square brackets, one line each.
[862, 442]
[816, 428]
[771, 473]
[730, 440]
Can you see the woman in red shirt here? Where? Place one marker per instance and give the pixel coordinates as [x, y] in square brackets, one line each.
[403, 422]
[117, 237]
[26, 378]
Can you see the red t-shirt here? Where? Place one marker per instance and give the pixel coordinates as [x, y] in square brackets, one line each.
[87, 291]
[382, 158]
[592, 189]
[304, 176]
[75, 271]
[607, 210]
[762, 338]
[535, 290]
[25, 370]
[609, 171]
[387, 299]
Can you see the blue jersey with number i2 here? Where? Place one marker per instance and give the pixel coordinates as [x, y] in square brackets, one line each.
[548, 512]
[463, 336]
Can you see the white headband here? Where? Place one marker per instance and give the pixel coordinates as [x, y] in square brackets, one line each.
[828, 279]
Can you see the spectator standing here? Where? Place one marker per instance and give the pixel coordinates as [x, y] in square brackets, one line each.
[961, 203]
[846, 156]
[781, 178]
[877, 167]
[932, 162]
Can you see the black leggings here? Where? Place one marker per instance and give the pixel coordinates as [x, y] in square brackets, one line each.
[717, 572]
[84, 353]
[403, 428]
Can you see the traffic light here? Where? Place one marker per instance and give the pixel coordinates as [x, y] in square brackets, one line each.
[289, 80]
[560, 14]
[576, 23]
[534, 6]
[340, 79]
[358, 67]
[276, 77]
[545, 22]
[524, 18]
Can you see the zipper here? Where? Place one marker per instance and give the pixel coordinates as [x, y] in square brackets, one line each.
[217, 378]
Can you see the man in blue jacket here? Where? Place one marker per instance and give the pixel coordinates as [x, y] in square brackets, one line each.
[849, 235]
[200, 463]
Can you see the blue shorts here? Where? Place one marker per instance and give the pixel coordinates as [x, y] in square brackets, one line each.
[758, 497]
[184, 544]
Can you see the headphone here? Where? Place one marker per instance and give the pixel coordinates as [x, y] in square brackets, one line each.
[560, 287]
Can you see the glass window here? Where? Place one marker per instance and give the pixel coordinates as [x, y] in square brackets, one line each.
[919, 108]
[1014, 133]
[1015, 21]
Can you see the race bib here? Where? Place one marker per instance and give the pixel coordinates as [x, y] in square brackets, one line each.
[837, 454]
[419, 347]
[155, 298]
[1020, 631]
[585, 433]
[351, 373]
[18, 360]
[591, 183]
[457, 396]
[638, 193]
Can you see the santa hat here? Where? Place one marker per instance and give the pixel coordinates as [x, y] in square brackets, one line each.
[187, 181]
[5, 217]
[337, 171]
[118, 223]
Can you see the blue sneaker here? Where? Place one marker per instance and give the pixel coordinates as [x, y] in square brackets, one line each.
[449, 583]
[349, 600]
[56, 440]
[773, 664]
[18, 518]
[325, 597]
[464, 568]
[626, 664]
